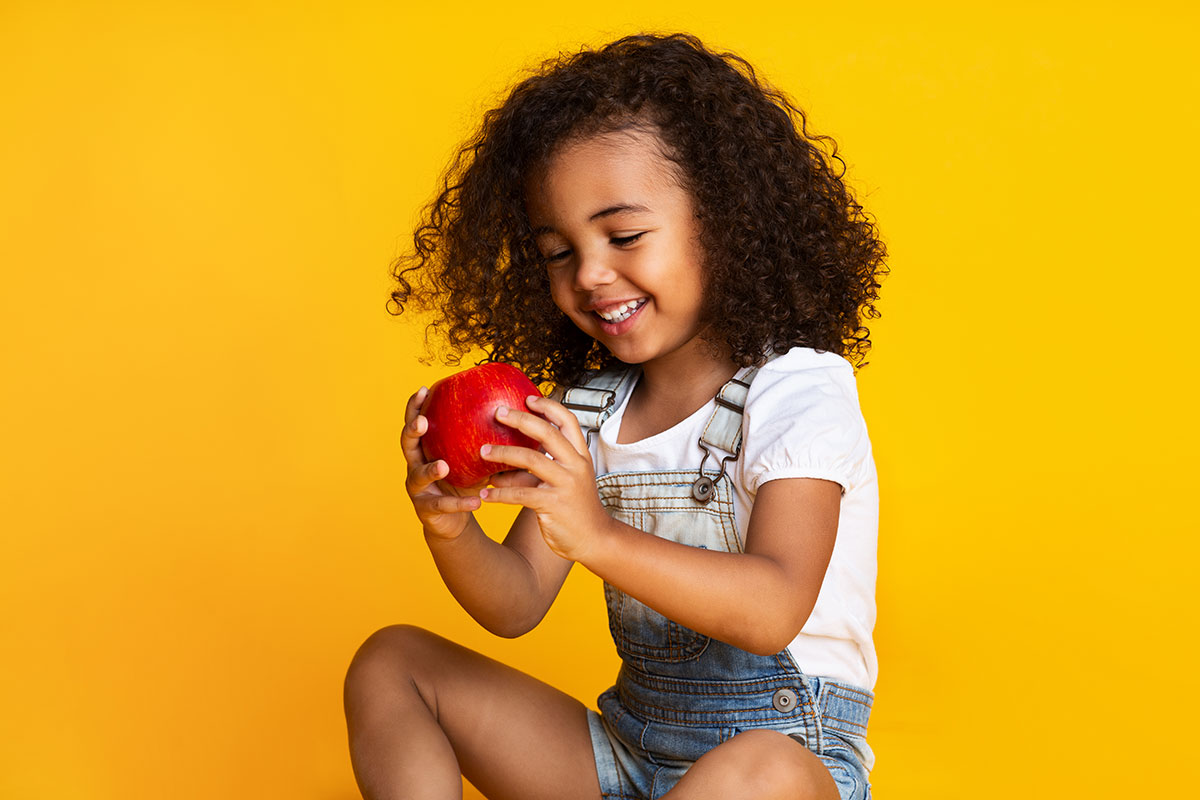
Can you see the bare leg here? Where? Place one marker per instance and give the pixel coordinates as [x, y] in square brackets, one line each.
[756, 765]
[421, 711]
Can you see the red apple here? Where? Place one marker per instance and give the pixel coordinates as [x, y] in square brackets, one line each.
[461, 410]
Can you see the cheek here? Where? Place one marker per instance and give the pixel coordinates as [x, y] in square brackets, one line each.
[560, 291]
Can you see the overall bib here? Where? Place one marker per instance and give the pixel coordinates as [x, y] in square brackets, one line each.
[679, 693]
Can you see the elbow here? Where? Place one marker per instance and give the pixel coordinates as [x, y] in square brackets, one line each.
[510, 626]
[767, 640]
[503, 629]
[766, 645]
[509, 631]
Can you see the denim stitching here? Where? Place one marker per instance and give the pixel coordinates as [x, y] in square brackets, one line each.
[703, 719]
[706, 688]
[857, 725]
[841, 687]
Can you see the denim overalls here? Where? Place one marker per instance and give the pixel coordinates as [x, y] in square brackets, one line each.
[679, 694]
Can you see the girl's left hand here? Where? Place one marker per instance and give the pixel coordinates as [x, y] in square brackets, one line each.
[564, 496]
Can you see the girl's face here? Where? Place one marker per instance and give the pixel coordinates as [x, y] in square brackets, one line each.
[619, 235]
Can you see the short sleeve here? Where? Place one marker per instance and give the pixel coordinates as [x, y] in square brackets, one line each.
[803, 420]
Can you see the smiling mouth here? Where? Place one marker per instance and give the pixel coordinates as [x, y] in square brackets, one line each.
[622, 312]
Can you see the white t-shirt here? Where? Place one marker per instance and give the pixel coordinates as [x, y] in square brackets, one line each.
[802, 420]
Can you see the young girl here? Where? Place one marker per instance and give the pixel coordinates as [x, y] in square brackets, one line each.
[651, 229]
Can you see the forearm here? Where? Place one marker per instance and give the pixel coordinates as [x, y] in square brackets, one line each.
[757, 600]
[493, 583]
[744, 599]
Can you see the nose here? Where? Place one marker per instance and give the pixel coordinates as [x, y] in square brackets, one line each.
[593, 271]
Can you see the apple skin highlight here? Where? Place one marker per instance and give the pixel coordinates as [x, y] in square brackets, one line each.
[461, 411]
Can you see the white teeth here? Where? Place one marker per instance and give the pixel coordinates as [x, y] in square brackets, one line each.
[622, 312]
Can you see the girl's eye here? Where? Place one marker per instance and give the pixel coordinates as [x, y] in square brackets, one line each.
[622, 241]
[619, 241]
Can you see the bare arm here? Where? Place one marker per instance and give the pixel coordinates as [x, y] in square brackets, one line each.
[758, 600]
[506, 587]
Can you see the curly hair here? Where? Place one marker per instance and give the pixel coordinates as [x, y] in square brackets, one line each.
[791, 258]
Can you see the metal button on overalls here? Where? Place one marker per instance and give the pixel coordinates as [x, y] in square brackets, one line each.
[784, 701]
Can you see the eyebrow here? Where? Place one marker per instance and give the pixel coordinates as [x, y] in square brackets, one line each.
[622, 208]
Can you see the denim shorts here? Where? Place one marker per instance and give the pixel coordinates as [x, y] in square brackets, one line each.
[650, 730]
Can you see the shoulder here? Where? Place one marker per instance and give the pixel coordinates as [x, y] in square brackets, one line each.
[801, 375]
[807, 359]
[803, 419]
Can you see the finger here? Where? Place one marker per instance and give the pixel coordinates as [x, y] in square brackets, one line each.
[422, 476]
[413, 407]
[473, 489]
[527, 496]
[515, 477]
[410, 440]
[566, 422]
[446, 504]
[534, 426]
[526, 458]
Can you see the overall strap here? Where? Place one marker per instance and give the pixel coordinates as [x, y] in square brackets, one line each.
[593, 400]
[723, 431]
[724, 428]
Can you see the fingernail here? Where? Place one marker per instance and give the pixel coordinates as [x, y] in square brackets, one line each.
[485, 450]
[483, 494]
[502, 411]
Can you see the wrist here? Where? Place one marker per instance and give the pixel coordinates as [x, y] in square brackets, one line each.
[606, 533]
[434, 536]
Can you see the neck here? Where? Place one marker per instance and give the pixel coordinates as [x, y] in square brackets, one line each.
[687, 377]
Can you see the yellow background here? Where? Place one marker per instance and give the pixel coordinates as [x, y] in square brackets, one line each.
[201, 486]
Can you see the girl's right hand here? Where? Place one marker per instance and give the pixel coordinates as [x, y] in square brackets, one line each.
[444, 510]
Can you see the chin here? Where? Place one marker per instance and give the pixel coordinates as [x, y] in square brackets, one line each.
[628, 357]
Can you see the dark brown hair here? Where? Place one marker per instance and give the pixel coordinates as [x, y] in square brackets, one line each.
[792, 259]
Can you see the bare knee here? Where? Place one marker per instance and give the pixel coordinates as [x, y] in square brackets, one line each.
[386, 663]
[769, 764]
[385, 649]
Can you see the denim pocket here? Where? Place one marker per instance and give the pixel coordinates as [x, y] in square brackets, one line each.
[846, 767]
[641, 632]
[834, 739]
